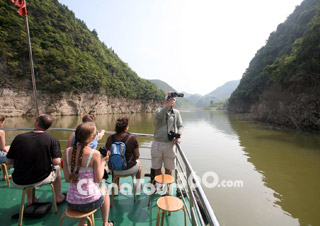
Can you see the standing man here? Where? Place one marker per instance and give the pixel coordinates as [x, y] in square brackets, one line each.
[168, 130]
[36, 157]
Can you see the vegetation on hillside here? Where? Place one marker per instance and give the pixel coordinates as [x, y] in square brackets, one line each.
[278, 51]
[281, 85]
[302, 66]
[68, 57]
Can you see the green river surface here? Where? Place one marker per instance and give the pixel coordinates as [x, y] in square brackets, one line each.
[263, 176]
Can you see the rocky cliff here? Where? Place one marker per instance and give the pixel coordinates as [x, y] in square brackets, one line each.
[21, 103]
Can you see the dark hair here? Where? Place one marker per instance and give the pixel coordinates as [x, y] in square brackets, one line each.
[88, 118]
[83, 135]
[45, 121]
[121, 124]
[2, 118]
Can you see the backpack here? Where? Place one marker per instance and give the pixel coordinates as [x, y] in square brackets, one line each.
[117, 159]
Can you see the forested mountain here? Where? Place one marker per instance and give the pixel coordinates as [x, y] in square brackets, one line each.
[221, 93]
[282, 83]
[68, 57]
[180, 102]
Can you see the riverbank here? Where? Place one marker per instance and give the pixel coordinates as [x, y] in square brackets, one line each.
[21, 103]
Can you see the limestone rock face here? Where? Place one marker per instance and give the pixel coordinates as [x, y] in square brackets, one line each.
[21, 103]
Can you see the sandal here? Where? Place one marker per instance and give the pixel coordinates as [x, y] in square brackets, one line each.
[111, 223]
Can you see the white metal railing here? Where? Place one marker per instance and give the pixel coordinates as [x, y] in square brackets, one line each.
[197, 205]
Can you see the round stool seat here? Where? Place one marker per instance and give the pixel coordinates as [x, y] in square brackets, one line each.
[164, 179]
[170, 203]
[77, 214]
[74, 214]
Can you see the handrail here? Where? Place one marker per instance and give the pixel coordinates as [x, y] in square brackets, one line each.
[194, 207]
[72, 130]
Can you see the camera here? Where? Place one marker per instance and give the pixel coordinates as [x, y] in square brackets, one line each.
[103, 151]
[175, 94]
[172, 135]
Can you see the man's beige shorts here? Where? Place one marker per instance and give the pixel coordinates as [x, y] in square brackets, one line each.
[51, 178]
[165, 153]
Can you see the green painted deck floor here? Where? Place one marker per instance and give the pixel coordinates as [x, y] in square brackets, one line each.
[124, 212]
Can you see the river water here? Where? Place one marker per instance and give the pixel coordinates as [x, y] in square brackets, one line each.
[262, 176]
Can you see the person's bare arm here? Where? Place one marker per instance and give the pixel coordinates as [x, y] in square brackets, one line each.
[56, 161]
[100, 134]
[66, 166]
[69, 143]
[3, 141]
[98, 166]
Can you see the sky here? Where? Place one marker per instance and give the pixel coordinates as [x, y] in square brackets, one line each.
[193, 45]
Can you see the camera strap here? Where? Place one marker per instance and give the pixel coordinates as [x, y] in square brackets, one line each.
[174, 121]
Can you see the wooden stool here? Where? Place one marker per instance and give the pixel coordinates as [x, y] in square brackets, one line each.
[169, 204]
[5, 172]
[33, 198]
[162, 179]
[73, 214]
[115, 177]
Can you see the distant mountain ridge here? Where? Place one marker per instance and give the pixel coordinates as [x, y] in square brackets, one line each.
[180, 102]
[221, 93]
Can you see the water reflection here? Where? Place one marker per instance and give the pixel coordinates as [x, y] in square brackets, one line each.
[289, 162]
[217, 119]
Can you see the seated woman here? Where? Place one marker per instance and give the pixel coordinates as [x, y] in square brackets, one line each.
[132, 149]
[3, 148]
[84, 168]
[94, 143]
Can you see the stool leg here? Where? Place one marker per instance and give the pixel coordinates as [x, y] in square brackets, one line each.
[185, 216]
[134, 189]
[62, 217]
[158, 217]
[54, 198]
[90, 221]
[162, 217]
[22, 207]
[5, 171]
[92, 218]
[114, 179]
[150, 195]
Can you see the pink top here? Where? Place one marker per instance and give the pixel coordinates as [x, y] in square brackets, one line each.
[85, 190]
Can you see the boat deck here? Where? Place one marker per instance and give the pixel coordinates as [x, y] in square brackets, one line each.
[124, 212]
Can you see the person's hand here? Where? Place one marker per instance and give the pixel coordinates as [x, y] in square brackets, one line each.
[177, 141]
[104, 159]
